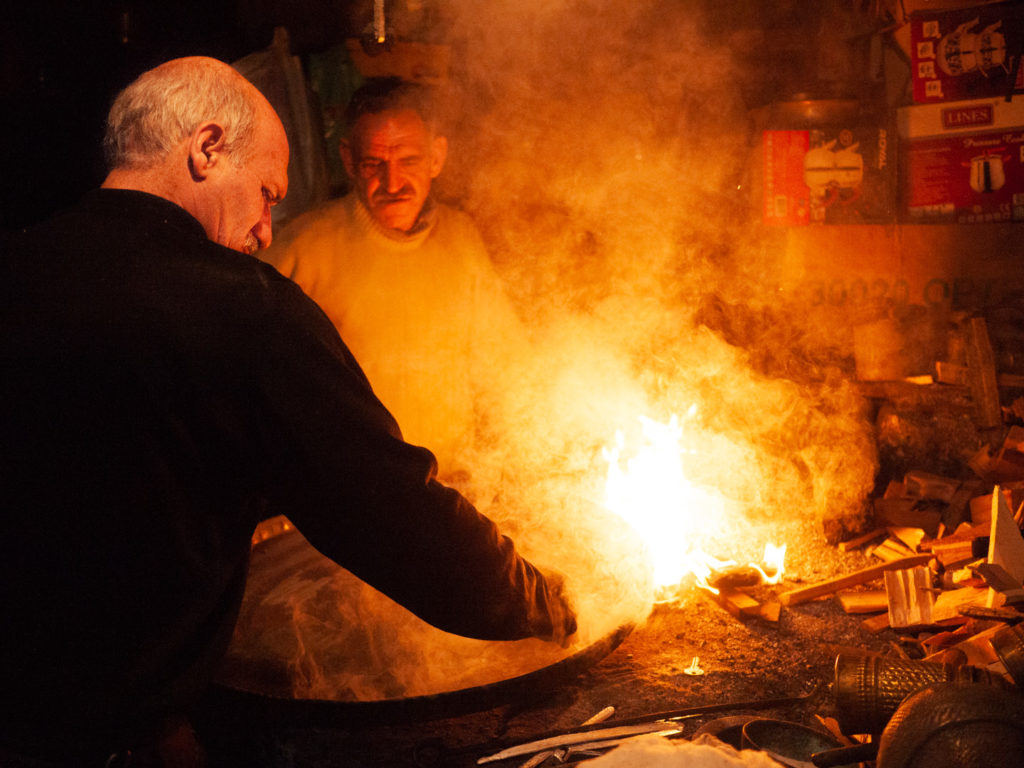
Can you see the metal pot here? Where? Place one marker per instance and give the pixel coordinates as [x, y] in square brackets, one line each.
[789, 743]
[987, 174]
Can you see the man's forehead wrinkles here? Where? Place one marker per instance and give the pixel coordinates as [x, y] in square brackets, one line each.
[405, 149]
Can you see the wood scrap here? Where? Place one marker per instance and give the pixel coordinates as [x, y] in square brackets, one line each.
[911, 537]
[976, 649]
[941, 641]
[963, 576]
[981, 507]
[735, 577]
[999, 579]
[891, 550]
[1006, 615]
[876, 624]
[958, 509]
[1008, 463]
[741, 605]
[769, 611]
[951, 373]
[926, 485]
[895, 490]
[863, 576]
[954, 552]
[949, 602]
[981, 510]
[1011, 380]
[864, 538]
[980, 558]
[866, 601]
[965, 532]
[1006, 546]
[910, 596]
[908, 512]
[982, 379]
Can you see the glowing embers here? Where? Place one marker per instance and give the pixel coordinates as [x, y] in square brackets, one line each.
[674, 517]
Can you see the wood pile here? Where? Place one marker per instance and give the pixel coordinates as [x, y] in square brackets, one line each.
[950, 588]
[950, 550]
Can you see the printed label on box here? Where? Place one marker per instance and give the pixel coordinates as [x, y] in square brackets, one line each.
[785, 193]
[948, 118]
[966, 179]
[827, 176]
[967, 53]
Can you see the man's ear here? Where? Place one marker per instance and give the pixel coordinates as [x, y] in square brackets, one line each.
[205, 149]
[438, 154]
[345, 150]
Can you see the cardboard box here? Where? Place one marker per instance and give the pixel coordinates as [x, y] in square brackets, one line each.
[962, 162]
[828, 175]
[966, 54]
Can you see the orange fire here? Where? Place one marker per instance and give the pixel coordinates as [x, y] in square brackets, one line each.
[650, 490]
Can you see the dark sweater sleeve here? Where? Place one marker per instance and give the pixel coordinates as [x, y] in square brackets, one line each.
[371, 502]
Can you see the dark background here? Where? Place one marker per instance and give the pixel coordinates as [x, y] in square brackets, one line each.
[63, 61]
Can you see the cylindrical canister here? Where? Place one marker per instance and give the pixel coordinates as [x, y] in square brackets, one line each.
[1008, 643]
[870, 688]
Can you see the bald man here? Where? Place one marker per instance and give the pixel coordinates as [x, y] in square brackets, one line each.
[163, 392]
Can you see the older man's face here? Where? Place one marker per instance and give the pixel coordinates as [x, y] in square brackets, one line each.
[235, 199]
[392, 159]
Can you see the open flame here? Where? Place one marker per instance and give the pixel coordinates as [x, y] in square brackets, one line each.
[650, 490]
[775, 561]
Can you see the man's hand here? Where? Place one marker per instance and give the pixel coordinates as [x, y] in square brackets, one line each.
[563, 617]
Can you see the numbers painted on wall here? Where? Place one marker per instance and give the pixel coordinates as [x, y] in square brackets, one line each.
[959, 293]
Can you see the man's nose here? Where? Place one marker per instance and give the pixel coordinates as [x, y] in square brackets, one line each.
[393, 179]
[264, 229]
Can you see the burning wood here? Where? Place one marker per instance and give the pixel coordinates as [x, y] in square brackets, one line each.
[650, 491]
[741, 605]
[946, 550]
[917, 554]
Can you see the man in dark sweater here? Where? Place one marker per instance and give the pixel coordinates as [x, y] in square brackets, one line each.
[163, 391]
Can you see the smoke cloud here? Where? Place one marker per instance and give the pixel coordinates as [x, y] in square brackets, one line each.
[606, 152]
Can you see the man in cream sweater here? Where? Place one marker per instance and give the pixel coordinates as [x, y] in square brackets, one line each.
[405, 279]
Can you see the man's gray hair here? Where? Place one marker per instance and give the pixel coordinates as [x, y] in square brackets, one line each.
[165, 105]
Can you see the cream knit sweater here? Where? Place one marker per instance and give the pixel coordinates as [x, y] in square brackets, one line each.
[424, 314]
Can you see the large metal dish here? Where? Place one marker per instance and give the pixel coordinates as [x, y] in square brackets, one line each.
[244, 683]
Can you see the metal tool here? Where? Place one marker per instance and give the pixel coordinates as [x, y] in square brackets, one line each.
[571, 739]
[654, 722]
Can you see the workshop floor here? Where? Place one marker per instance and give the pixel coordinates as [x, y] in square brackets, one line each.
[742, 662]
